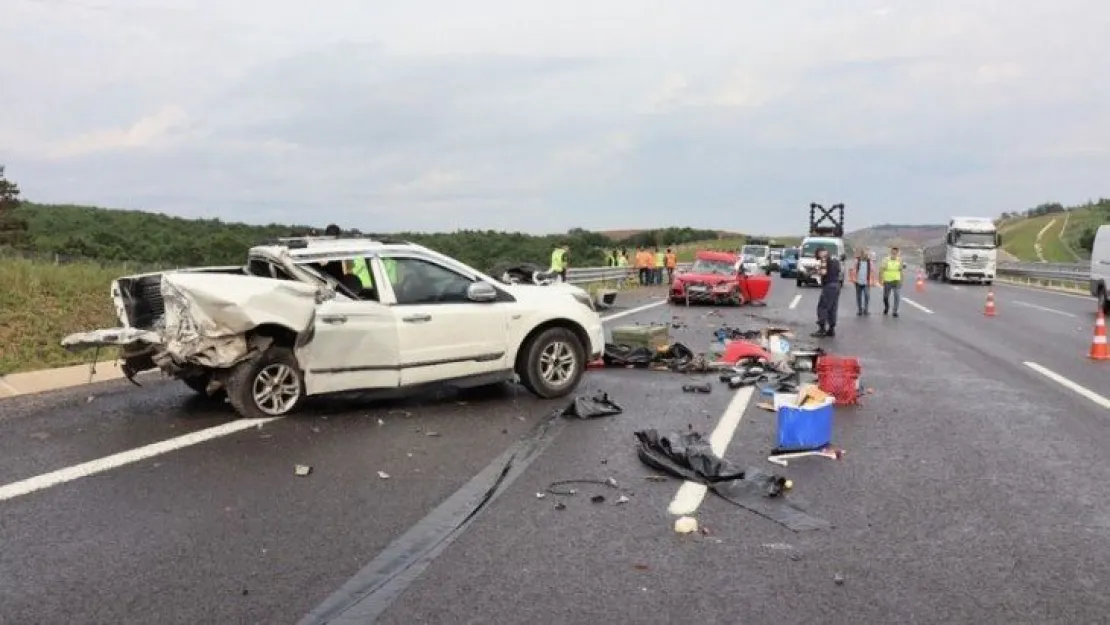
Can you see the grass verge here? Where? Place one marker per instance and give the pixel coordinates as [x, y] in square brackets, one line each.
[40, 303]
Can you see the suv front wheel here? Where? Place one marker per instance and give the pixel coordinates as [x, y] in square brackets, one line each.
[553, 363]
[271, 385]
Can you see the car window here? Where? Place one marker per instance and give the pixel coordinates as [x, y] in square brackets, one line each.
[422, 282]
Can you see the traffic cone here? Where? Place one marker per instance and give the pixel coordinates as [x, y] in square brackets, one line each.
[989, 310]
[920, 286]
[1099, 350]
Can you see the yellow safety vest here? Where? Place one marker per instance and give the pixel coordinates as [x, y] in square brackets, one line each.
[558, 260]
[892, 270]
[361, 269]
[660, 259]
[622, 261]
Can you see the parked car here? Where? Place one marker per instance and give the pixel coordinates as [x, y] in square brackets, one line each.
[293, 323]
[788, 264]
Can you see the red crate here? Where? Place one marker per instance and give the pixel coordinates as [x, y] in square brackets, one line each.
[839, 377]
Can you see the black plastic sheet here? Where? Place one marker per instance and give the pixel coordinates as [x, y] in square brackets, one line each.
[689, 456]
[600, 405]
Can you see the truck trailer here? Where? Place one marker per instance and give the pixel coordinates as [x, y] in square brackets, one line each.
[968, 252]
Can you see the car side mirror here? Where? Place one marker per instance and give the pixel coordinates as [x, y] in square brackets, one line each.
[481, 292]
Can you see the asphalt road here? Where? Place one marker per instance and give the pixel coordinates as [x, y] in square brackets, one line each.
[970, 492]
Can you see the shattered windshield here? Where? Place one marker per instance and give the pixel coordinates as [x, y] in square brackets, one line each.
[706, 266]
[975, 239]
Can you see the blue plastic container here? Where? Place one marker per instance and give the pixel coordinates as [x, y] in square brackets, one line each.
[805, 429]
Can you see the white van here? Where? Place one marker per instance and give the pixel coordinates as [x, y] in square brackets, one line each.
[1100, 267]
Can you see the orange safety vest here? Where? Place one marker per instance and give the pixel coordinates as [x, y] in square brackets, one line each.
[672, 260]
[643, 259]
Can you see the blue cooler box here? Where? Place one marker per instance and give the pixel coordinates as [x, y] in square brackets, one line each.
[805, 429]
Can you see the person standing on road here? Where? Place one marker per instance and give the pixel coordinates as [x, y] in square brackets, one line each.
[660, 259]
[560, 261]
[642, 265]
[863, 282]
[829, 302]
[891, 276]
[672, 262]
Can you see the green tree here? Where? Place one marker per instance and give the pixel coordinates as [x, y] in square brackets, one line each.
[13, 228]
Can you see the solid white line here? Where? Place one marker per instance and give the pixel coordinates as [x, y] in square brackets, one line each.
[1061, 380]
[633, 311]
[1051, 310]
[30, 485]
[691, 494]
[794, 302]
[916, 305]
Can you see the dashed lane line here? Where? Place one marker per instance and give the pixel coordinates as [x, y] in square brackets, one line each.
[632, 311]
[690, 494]
[1066, 383]
[916, 305]
[1046, 309]
[794, 302]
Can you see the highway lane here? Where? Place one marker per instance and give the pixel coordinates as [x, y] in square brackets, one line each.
[223, 531]
[970, 492]
[1050, 329]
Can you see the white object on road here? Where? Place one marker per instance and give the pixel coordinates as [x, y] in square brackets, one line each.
[686, 525]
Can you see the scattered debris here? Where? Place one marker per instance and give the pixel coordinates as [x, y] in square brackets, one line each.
[541, 495]
[697, 388]
[838, 579]
[689, 456]
[431, 433]
[600, 405]
[302, 470]
[383, 475]
[381, 421]
[641, 567]
[560, 506]
[623, 499]
[597, 499]
[686, 525]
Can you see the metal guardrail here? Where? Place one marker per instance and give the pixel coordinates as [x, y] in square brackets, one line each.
[1049, 271]
[592, 275]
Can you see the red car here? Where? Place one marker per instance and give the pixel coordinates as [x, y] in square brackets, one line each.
[715, 278]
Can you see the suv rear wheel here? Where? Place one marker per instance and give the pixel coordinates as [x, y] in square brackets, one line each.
[553, 363]
[271, 385]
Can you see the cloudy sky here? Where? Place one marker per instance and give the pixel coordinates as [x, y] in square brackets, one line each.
[542, 116]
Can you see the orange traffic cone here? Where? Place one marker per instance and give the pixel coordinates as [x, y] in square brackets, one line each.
[989, 310]
[920, 286]
[1099, 350]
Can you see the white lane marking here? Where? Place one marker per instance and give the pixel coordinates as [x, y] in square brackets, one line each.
[1062, 381]
[633, 311]
[794, 302]
[691, 494]
[54, 478]
[1013, 285]
[1051, 310]
[916, 305]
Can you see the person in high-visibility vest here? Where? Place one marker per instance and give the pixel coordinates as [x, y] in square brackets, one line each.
[643, 265]
[672, 262]
[891, 275]
[559, 261]
[659, 259]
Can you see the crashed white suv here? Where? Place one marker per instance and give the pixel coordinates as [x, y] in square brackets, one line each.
[290, 324]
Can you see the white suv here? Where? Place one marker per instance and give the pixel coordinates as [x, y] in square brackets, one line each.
[292, 323]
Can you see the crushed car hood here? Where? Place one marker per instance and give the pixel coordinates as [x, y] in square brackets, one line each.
[706, 277]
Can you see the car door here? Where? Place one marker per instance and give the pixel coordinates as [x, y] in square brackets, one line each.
[443, 335]
[355, 346]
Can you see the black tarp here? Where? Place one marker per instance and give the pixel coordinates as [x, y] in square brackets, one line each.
[689, 456]
[600, 405]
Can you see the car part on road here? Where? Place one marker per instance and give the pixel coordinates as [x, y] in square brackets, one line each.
[652, 336]
[697, 388]
[689, 456]
[592, 407]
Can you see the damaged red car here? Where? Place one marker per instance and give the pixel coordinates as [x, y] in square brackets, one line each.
[716, 278]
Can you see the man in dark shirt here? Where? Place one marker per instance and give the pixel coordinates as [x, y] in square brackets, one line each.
[828, 303]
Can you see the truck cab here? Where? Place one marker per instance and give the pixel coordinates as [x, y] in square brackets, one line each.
[968, 252]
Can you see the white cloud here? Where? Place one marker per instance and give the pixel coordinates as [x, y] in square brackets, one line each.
[508, 113]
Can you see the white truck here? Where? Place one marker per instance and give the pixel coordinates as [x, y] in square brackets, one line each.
[968, 252]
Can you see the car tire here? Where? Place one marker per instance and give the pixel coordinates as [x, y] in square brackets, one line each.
[199, 385]
[541, 376]
[246, 378]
